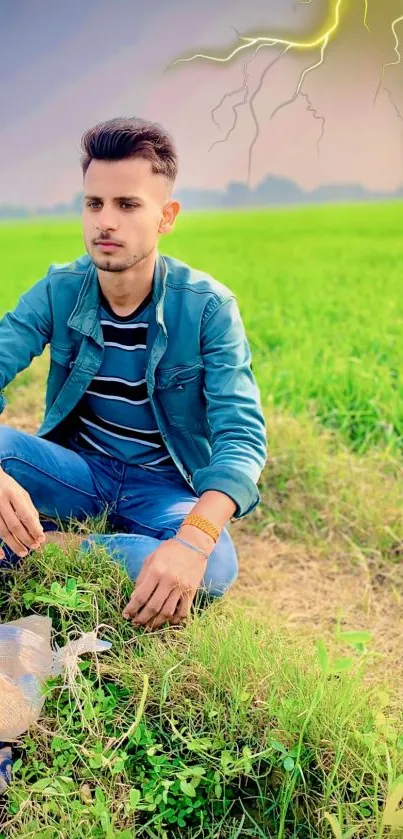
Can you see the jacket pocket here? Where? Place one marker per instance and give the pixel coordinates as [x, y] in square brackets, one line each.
[180, 394]
[61, 355]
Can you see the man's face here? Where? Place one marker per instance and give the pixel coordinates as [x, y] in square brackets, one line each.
[126, 208]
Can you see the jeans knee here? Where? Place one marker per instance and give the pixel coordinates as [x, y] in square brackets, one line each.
[10, 444]
[222, 567]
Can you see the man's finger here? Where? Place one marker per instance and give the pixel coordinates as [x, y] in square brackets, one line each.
[29, 517]
[153, 606]
[183, 609]
[139, 579]
[10, 540]
[16, 527]
[166, 612]
[175, 619]
[141, 595]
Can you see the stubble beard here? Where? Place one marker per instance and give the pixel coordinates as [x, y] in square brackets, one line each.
[116, 267]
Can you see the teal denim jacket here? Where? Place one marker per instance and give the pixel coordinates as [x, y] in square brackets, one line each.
[199, 378]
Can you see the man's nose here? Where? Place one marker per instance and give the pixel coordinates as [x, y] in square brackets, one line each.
[106, 220]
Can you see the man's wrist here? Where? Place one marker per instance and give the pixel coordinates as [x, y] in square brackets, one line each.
[196, 537]
[217, 508]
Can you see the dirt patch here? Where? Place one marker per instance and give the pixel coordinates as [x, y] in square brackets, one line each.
[314, 594]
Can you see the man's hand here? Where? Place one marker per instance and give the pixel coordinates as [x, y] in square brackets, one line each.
[20, 527]
[166, 586]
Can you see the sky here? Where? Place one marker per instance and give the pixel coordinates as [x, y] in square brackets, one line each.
[65, 67]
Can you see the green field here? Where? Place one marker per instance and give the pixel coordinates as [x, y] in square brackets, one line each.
[234, 726]
[319, 290]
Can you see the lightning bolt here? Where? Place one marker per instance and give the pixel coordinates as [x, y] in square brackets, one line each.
[398, 112]
[397, 51]
[251, 101]
[398, 60]
[393, 103]
[244, 88]
[233, 93]
[315, 115]
[320, 41]
[303, 75]
[274, 41]
[366, 15]
[253, 97]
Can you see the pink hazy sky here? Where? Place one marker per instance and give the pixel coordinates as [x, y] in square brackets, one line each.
[66, 69]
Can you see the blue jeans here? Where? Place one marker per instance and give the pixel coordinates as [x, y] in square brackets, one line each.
[143, 507]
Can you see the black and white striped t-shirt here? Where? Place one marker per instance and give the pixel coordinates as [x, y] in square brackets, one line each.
[115, 416]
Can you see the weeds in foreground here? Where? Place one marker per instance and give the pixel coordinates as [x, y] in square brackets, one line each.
[224, 728]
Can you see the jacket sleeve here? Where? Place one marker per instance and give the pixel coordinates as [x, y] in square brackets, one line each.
[234, 411]
[24, 333]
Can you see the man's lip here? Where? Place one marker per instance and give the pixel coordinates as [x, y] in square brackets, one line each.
[107, 244]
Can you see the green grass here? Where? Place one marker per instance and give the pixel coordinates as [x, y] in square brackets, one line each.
[213, 730]
[320, 294]
[319, 291]
[317, 491]
[229, 728]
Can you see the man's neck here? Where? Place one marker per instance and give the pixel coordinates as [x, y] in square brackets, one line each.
[125, 290]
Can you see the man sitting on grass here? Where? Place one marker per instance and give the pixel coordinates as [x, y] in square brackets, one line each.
[153, 416]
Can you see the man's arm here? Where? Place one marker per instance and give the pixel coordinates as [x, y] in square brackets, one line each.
[24, 333]
[234, 412]
[227, 487]
[170, 577]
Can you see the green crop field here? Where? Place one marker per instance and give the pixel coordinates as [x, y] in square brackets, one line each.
[277, 712]
[319, 290]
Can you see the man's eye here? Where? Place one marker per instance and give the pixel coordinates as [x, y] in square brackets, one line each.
[92, 204]
[129, 206]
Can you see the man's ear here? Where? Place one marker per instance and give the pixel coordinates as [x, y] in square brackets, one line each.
[169, 215]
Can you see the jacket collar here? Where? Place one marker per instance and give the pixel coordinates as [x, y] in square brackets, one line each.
[84, 316]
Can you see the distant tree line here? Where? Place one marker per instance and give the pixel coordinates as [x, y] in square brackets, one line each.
[270, 192]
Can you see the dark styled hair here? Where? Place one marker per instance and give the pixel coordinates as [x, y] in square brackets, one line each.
[124, 137]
